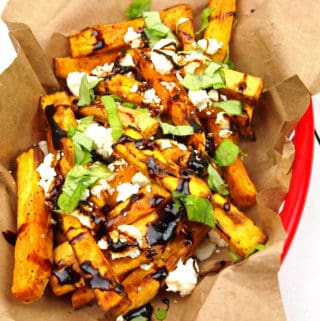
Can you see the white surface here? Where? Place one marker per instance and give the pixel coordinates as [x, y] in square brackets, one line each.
[300, 273]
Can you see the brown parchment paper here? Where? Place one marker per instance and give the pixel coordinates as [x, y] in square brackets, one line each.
[276, 40]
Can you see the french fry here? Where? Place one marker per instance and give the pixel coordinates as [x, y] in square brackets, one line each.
[64, 65]
[60, 117]
[220, 25]
[34, 245]
[66, 276]
[95, 267]
[81, 297]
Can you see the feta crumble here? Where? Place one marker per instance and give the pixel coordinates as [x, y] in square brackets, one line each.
[199, 98]
[74, 81]
[184, 278]
[125, 190]
[131, 231]
[161, 62]
[133, 38]
[47, 173]
[102, 138]
[150, 97]
[210, 46]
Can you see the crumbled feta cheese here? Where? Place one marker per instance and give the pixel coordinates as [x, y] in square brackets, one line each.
[125, 190]
[85, 195]
[199, 98]
[43, 145]
[146, 266]
[210, 46]
[150, 97]
[184, 278]
[102, 71]
[74, 81]
[225, 133]
[84, 219]
[191, 67]
[223, 97]
[102, 185]
[222, 120]
[134, 88]
[133, 38]
[168, 85]
[118, 164]
[120, 318]
[140, 179]
[102, 138]
[213, 95]
[103, 244]
[47, 173]
[182, 20]
[131, 231]
[161, 62]
[205, 249]
[127, 61]
[166, 43]
[214, 237]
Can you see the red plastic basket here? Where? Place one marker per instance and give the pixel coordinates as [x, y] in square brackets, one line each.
[301, 173]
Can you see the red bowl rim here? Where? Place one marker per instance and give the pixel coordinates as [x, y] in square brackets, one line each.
[301, 173]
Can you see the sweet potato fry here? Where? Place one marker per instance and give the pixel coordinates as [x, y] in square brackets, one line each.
[34, 245]
[95, 267]
[220, 25]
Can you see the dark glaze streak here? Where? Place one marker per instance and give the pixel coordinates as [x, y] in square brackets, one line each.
[57, 132]
[153, 168]
[242, 86]
[145, 311]
[186, 35]
[95, 280]
[143, 144]
[134, 198]
[195, 125]
[99, 40]
[156, 201]
[160, 274]
[196, 163]
[10, 237]
[119, 69]
[66, 275]
[164, 228]
[183, 186]
[226, 206]
[77, 238]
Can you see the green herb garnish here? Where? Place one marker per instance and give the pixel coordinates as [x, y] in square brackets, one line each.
[160, 314]
[77, 181]
[205, 14]
[83, 144]
[180, 130]
[256, 248]
[113, 117]
[226, 153]
[232, 107]
[140, 318]
[213, 76]
[137, 7]
[86, 92]
[234, 257]
[216, 182]
[154, 29]
[198, 209]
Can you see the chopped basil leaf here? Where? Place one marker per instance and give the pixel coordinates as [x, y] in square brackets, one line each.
[180, 130]
[154, 29]
[86, 93]
[160, 314]
[257, 247]
[234, 257]
[226, 153]
[113, 117]
[198, 209]
[231, 107]
[211, 77]
[216, 182]
[77, 181]
[205, 14]
[137, 7]
[116, 98]
[83, 144]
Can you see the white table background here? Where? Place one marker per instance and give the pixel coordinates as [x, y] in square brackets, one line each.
[299, 276]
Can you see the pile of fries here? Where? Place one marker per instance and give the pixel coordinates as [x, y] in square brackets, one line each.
[140, 161]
